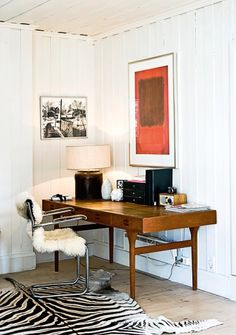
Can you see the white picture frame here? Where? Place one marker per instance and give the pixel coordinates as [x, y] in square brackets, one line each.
[152, 111]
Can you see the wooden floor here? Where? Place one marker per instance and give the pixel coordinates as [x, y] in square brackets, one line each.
[156, 297]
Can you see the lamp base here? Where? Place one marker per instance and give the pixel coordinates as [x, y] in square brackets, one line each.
[88, 185]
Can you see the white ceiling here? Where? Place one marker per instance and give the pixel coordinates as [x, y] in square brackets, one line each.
[88, 17]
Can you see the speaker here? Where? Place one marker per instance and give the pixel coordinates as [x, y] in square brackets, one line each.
[120, 183]
[157, 181]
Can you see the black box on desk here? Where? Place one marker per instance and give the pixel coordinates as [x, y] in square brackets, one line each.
[147, 193]
[157, 181]
[134, 192]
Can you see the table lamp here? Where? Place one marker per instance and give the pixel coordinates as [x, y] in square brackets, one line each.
[88, 160]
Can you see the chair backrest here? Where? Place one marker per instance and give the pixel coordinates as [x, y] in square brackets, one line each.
[28, 208]
[30, 214]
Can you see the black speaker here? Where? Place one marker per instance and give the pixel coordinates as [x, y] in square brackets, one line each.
[157, 181]
[120, 183]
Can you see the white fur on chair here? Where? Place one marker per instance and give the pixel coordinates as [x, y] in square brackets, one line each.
[65, 240]
[22, 208]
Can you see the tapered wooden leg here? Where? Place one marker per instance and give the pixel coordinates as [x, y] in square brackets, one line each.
[111, 243]
[132, 239]
[56, 261]
[194, 232]
[56, 255]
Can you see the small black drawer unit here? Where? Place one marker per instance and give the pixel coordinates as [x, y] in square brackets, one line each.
[134, 192]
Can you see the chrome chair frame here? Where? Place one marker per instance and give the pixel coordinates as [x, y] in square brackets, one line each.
[57, 221]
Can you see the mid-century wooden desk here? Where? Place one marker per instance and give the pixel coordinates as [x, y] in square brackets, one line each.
[136, 219]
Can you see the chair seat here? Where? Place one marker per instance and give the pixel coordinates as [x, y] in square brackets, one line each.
[65, 240]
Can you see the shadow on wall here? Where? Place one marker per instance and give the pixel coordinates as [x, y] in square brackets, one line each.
[65, 186]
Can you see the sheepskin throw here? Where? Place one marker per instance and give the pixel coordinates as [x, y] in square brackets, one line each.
[22, 208]
[65, 240]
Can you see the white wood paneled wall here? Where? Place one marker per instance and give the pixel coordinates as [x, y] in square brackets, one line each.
[68, 66]
[63, 66]
[16, 145]
[201, 41]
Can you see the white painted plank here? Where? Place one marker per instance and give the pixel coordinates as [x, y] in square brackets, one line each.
[203, 95]
[23, 148]
[42, 78]
[16, 159]
[5, 144]
[233, 140]
[156, 38]
[222, 13]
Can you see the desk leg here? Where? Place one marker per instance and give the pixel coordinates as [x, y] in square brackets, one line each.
[56, 254]
[111, 243]
[194, 232]
[56, 261]
[132, 239]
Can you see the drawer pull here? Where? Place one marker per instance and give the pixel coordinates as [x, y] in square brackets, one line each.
[125, 222]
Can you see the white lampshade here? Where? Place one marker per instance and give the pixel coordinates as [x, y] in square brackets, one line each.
[88, 157]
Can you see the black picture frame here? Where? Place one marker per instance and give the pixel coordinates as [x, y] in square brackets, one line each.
[63, 117]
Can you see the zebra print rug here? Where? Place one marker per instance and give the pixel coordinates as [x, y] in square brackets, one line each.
[84, 315]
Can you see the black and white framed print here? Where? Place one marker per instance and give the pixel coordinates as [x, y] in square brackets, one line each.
[63, 117]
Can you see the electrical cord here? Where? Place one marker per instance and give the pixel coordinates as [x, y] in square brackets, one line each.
[157, 277]
[171, 272]
[105, 268]
[139, 271]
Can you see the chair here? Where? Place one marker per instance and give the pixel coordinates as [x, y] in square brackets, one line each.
[60, 239]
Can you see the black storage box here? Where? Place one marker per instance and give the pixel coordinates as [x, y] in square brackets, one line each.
[134, 192]
[147, 193]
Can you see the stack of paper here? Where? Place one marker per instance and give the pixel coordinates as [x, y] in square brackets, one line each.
[188, 207]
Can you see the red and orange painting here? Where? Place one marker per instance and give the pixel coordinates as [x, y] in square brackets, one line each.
[151, 111]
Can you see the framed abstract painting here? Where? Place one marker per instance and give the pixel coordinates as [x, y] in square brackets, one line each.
[151, 96]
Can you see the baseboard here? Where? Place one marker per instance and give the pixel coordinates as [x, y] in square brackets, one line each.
[207, 281]
[232, 288]
[17, 262]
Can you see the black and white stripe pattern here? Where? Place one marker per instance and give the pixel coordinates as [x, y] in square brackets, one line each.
[84, 315]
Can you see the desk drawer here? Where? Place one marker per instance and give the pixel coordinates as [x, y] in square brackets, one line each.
[47, 206]
[128, 185]
[137, 200]
[126, 223]
[98, 217]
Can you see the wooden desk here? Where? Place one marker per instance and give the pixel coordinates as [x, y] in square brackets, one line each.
[141, 219]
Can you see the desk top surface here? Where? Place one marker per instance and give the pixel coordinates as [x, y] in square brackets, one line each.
[149, 216]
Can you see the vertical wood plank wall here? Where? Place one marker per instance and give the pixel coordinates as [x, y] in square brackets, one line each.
[63, 66]
[68, 65]
[201, 40]
[16, 252]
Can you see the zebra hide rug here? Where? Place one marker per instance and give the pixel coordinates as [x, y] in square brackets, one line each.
[89, 314]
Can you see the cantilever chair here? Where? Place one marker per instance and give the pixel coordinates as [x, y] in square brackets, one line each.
[60, 239]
